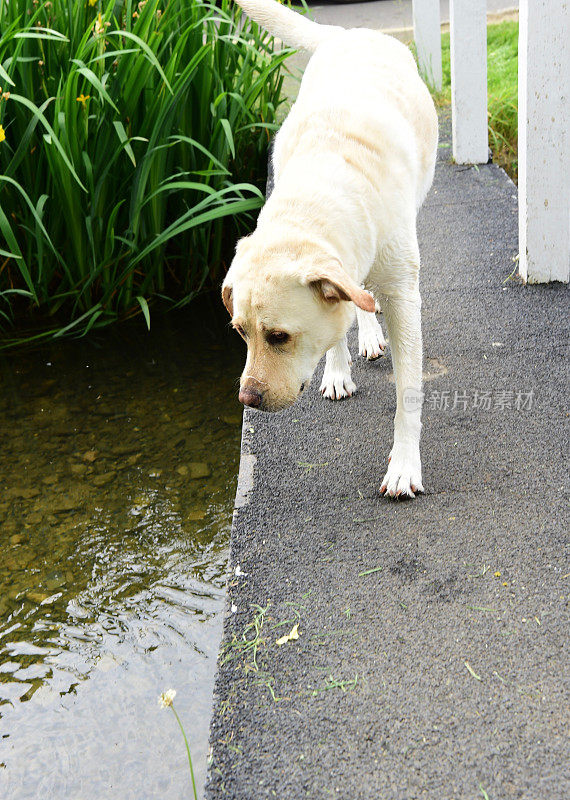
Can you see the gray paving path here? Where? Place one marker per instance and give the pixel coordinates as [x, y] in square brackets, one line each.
[433, 638]
[387, 14]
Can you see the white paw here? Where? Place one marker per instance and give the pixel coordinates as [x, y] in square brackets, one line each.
[336, 385]
[404, 475]
[371, 342]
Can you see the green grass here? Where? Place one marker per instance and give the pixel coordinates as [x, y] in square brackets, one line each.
[502, 82]
[125, 127]
[250, 642]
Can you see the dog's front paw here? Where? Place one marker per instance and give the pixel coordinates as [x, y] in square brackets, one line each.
[371, 342]
[336, 385]
[404, 475]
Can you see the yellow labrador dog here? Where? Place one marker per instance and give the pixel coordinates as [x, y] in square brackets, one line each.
[353, 162]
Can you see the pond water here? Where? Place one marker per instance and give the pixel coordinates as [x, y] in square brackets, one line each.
[118, 470]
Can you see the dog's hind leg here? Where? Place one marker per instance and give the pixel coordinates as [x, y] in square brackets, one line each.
[371, 342]
[337, 382]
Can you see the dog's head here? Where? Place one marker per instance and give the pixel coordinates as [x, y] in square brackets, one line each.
[290, 305]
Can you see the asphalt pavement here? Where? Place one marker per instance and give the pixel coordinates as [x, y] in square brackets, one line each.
[424, 644]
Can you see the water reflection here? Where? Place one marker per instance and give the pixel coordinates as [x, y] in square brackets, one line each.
[117, 475]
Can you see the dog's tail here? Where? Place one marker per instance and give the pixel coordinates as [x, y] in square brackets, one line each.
[292, 28]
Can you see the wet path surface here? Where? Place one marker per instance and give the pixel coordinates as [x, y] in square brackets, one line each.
[117, 475]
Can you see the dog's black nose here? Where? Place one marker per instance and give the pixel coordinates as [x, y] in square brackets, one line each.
[250, 397]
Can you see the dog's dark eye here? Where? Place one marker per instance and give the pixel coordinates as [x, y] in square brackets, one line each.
[278, 337]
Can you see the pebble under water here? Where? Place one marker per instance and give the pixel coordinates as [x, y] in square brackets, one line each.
[118, 470]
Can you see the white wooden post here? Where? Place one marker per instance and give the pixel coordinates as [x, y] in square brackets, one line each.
[544, 143]
[468, 35]
[427, 35]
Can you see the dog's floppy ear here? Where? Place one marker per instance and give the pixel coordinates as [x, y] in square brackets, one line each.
[334, 284]
[227, 298]
[242, 247]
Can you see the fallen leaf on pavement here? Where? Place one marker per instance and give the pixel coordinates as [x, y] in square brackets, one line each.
[289, 637]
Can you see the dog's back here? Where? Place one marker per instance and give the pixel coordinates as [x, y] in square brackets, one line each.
[361, 80]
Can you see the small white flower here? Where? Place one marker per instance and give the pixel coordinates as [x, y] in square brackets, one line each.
[166, 698]
[239, 573]
[234, 608]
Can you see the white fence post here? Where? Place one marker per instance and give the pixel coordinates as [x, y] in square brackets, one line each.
[544, 143]
[468, 35]
[427, 35]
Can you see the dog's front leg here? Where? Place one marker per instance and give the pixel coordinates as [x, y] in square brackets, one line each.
[403, 320]
[337, 382]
